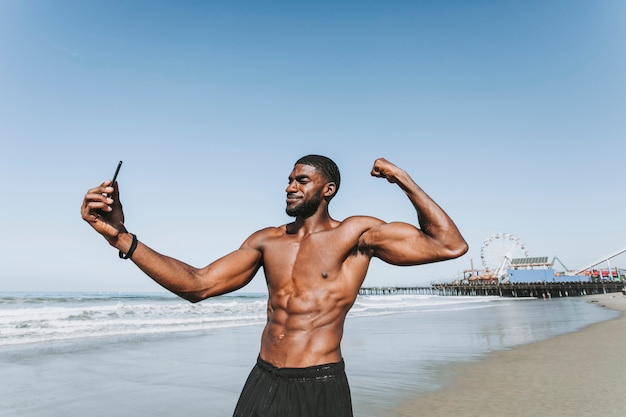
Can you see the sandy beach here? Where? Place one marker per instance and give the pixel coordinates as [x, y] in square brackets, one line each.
[575, 374]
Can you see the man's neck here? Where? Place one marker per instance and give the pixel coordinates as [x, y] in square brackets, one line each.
[318, 222]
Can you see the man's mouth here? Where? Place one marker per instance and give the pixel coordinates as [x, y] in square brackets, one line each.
[292, 198]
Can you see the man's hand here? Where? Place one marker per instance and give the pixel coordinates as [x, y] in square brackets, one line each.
[102, 209]
[385, 169]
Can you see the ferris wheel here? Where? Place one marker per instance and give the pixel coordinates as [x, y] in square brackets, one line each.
[498, 251]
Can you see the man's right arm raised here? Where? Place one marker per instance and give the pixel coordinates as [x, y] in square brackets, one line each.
[224, 275]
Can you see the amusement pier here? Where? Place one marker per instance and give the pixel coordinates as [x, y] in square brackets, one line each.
[509, 272]
[538, 290]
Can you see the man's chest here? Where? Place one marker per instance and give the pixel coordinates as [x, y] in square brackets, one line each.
[317, 260]
[302, 256]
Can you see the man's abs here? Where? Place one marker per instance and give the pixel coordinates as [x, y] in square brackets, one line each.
[302, 340]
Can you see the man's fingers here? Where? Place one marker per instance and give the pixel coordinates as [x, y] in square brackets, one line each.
[384, 169]
[99, 206]
[98, 197]
[90, 210]
[96, 200]
[102, 189]
[376, 172]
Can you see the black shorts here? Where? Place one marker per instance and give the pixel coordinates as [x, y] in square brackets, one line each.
[316, 391]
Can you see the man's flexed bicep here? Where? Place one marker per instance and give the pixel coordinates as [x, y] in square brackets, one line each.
[403, 244]
[437, 237]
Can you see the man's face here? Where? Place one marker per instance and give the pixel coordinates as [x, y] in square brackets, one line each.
[304, 192]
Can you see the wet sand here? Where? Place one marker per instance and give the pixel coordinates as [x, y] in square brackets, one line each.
[575, 374]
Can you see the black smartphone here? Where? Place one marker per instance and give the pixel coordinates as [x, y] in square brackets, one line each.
[117, 171]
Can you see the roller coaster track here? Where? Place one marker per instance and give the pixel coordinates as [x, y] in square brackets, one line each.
[599, 261]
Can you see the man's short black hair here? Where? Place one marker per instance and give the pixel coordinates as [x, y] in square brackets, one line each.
[325, 165]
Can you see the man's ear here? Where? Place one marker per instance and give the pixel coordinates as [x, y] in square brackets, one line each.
[330, 189]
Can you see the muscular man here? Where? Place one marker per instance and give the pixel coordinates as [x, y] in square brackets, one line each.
[313, 268]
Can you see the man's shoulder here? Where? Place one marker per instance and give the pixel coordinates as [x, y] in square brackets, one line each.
[258, 239]
[361, 226]
[270, 231]
[362, 221]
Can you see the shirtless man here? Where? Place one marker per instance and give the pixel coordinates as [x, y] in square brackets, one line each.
[313, 267]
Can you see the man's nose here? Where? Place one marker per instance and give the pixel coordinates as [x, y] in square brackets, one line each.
[291, 187]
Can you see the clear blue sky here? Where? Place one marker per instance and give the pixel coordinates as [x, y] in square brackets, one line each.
[510, 114]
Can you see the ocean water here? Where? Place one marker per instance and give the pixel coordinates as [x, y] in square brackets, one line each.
[27, 318]
[102, 354]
